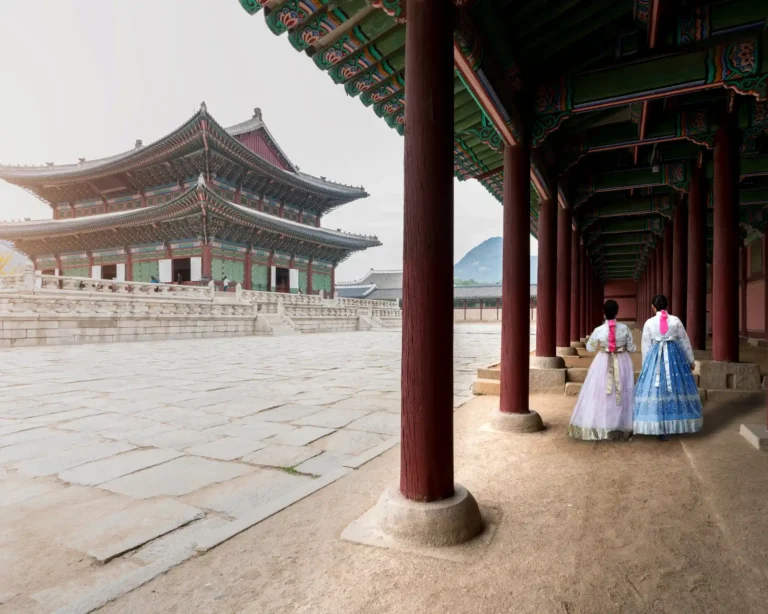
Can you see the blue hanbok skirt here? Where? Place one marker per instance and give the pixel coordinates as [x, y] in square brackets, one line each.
[661, 409]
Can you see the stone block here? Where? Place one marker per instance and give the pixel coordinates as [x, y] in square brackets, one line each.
[572, 389]
[756, 435]
[331, 418]
[177, 477]
[109, 537]
[731, 395]
[543, 381]
[576, 374]
[227, 448]
[486, 387]
[746, 376]
[712, 375]
[758, 343]
[326, 462]
[546, 362]
[281, 456]
[94, 473]
[566, 351]
[490, 372]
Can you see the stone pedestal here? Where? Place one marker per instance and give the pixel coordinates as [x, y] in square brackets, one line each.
[546, 362]
[447, 522]
[578, 344]
[566, 351]
[756, 434]
[529, 422]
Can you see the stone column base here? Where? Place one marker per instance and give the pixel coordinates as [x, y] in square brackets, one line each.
[529, 422]
[449, 522]
[756, 434]
[584, 341]
[578, 344]
[546, 362]
[569, 351]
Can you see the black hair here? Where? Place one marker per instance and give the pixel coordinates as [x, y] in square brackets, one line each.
[610, 309]
[660, 302]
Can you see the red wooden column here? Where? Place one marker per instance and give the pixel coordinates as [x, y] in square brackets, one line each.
[426, 459]
[590, 293]
[547, 274]
[680, 261]
[514, 413]
[247, 265]
[583, 294]
[743, 251]
[575, 281]
[563, 307]
[333, 282]
[206, 262]
[666, 288]
[651, 277]
[696, 321]
[310, 289]
[660, 268]
[515, 280]
[725, 280]
[765, 282]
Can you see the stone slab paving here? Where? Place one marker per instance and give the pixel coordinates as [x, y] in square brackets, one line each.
[131, 454]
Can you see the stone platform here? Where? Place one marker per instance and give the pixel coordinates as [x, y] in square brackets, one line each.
[38, 309]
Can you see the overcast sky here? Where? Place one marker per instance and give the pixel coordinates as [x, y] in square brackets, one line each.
[86, 78]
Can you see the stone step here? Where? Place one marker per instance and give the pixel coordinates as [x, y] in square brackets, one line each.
[491, 372]
[486, 386]
[714, 395]
[572, 389]
[576, 375]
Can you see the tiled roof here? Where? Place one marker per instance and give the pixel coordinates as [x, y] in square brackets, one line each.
[186, 203]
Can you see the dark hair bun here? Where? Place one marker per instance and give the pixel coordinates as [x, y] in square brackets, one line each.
[610, 309]
[660, 302]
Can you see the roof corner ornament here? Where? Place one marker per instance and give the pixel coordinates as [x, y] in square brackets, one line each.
[139, 144]
[49, 163]
[201, 181]
[81, 160]
[257, 113]
[203, 107]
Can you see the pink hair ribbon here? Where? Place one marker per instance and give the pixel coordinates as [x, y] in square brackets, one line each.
[664, 325]
[611, 335]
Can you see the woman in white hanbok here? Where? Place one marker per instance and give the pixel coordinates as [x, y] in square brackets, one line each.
[604, 407]
[667, 401]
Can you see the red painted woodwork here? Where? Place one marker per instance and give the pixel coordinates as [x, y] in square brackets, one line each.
[583, 294]
[546, 285]
[333, 280]
[563, 337]
[666, 288]
[256, 142]
[207, 263]
[575, 281]
[310, 289]
[247, 282]
[426, 468]
[680, 261]
[743, 263]
[128, 265]
[697, 270]
[725, 280]
[660, 268]
[626, 293]
[515, 280]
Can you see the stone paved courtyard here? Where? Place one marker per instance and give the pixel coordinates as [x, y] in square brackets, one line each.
[120, 460]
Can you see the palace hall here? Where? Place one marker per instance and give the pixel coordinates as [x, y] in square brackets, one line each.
[140, 216]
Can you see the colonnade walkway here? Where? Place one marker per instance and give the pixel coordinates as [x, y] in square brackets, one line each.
[575, 527]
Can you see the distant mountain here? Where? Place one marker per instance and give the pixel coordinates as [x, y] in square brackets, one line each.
[483, 263]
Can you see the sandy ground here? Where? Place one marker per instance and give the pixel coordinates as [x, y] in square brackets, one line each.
[665, 527]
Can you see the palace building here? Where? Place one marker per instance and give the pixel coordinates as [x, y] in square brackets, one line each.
[201, 203]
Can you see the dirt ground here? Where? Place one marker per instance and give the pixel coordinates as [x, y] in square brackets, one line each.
[647, 526]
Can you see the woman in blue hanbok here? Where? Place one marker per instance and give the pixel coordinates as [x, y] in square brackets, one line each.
[667, 400]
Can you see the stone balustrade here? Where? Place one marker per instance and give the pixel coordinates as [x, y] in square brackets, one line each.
[366, 303]
[37, 309]
[259, 296]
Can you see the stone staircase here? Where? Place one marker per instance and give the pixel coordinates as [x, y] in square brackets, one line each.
[737, 381]
[278, 325]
